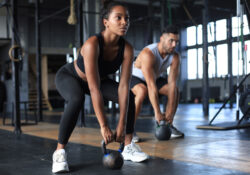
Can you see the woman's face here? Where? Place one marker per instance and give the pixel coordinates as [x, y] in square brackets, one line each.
[118, 20]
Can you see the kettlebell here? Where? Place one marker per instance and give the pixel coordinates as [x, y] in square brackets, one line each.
[163, 131]
[112, 159]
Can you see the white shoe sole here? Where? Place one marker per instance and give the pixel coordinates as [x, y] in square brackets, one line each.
[176, 136]
[60, 167]
[135, 160]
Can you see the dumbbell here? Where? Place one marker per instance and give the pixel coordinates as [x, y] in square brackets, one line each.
[112, 159]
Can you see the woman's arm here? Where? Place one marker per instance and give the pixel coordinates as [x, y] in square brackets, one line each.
[90, 52]
[123, 90]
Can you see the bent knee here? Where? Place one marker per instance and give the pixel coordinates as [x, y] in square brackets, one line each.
[76, 100]
[142, 93]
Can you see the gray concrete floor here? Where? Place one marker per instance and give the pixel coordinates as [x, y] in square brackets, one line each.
[30, 155]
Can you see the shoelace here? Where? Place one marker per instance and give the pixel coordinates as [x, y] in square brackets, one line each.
[60, 157]
[135, 147]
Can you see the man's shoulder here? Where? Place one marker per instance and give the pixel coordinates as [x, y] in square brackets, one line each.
[176, 55]
[176, 58]
[147, 52]
[152, 46]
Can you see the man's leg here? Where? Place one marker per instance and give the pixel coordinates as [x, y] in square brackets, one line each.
[172, 92]
[140, 91]
[173, 98]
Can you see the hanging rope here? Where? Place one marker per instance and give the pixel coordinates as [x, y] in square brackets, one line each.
[72, 17]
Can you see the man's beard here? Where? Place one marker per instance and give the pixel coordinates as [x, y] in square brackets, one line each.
[171, 50]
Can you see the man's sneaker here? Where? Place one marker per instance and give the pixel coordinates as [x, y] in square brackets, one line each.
[133, 152]
[60, 161]
[175, 132]
[135, 138]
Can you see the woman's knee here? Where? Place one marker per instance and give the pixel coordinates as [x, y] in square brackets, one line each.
[76, 100]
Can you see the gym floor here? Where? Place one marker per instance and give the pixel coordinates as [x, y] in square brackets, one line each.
[222, 152]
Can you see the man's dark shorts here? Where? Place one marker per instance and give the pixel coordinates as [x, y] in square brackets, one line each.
[159, 82]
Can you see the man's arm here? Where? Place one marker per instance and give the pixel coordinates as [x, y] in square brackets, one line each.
[147, 67]
[172, 86]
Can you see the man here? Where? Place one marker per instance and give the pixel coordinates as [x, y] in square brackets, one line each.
[152, 61]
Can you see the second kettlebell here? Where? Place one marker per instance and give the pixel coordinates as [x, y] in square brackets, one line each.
[163, 131]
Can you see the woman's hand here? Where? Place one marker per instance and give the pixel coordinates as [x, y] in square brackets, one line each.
[107, 134]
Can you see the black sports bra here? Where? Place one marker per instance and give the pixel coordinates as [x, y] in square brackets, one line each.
[105, 67]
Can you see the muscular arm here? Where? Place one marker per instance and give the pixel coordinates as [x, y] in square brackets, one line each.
[147, 67]
[123, 90]
[172, 84]
[90, 52]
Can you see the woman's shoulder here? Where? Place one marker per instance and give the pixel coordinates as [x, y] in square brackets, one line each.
[127, 45]
[91, 42]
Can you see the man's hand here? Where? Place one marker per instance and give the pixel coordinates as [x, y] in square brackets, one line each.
[168, 118]
[107, 134]
[159, 117]
[120, 133]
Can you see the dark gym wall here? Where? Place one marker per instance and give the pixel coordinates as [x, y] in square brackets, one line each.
[5, 64]
[54, 33]
[57, 36]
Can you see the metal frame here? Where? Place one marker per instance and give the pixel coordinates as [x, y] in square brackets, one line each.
[226, 126]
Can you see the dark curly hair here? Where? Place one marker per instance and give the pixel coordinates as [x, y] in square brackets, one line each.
[107, 8]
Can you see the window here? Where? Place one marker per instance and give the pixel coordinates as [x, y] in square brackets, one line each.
[236, 65]
[221, 29]
[247, 45]
[200, 63]
[210, 32]
[235, 26]
[217, 54]
[211, 62]
[237, 59]
[199, 34]
[191, 36]
[222, 60]
[192, 63]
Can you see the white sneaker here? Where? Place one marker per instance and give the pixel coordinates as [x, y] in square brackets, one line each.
[60, 161]
[136, 138]
[133, 152]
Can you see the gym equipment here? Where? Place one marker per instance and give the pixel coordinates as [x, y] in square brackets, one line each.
[19, 51]
[114, 159]
[245, 102]
[163, 131]
[72, 17]
[231, 125]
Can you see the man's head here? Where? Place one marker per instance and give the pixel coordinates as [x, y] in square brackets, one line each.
[169, 38]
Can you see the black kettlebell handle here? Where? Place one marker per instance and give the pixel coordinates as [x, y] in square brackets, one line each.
[104, 150]
[162, 122]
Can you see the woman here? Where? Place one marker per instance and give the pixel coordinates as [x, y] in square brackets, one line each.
[101, 55]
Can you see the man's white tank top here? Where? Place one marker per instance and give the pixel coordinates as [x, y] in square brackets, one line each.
[161, 64]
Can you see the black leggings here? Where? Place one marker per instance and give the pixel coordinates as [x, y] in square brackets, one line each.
[73, 89]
